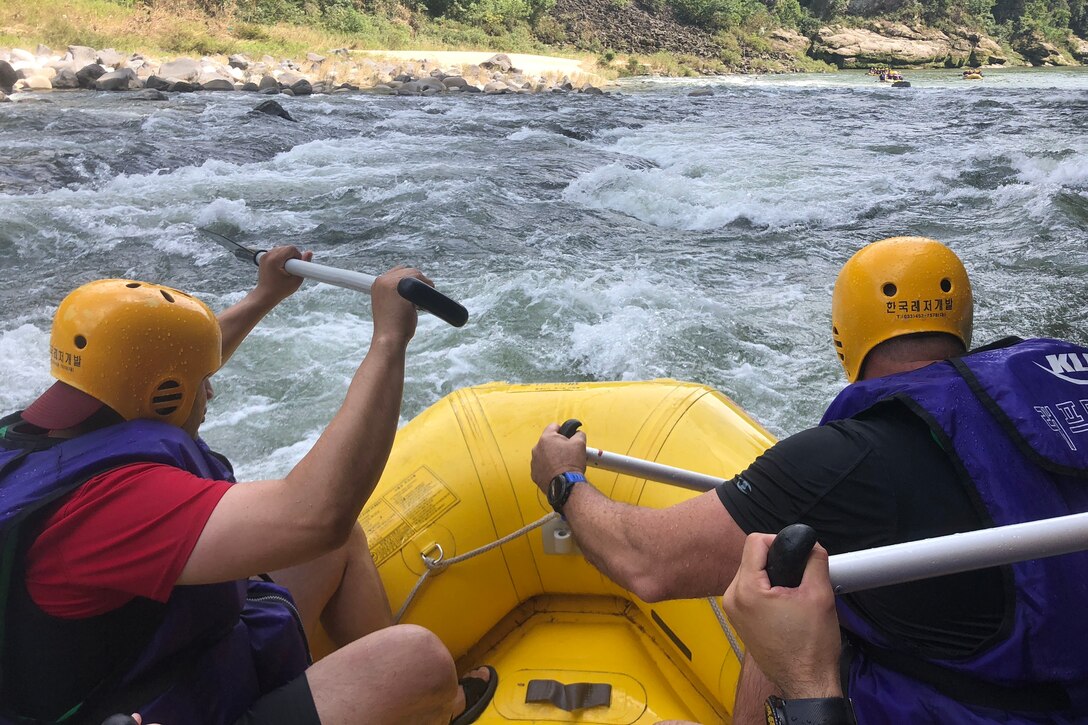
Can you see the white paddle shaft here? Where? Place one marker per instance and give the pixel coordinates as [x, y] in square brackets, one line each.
[870, 568]
[329, 275]
[648, 469]
[899, 563]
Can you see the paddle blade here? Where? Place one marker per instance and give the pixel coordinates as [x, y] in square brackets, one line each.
[426, 297]
[788, 555]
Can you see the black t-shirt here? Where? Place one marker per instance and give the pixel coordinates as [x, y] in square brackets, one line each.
[878, 479]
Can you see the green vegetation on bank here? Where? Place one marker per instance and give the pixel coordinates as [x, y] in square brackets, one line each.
[290, 28]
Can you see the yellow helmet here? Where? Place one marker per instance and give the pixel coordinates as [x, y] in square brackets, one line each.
[898, 286]
[140, 348]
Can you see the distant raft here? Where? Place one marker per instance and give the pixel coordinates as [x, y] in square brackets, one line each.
[568, 645]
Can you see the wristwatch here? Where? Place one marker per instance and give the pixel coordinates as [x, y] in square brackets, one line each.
[814, 711]
[560, 487]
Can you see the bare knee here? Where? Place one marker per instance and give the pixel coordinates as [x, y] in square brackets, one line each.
[398, 674]
[433, 669]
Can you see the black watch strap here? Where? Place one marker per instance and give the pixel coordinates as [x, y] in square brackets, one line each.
[813, 711]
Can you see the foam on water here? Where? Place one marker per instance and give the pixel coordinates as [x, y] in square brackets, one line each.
[24, 355]
[649, 234]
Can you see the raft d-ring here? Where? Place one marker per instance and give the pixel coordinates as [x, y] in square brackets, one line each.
[432, 562]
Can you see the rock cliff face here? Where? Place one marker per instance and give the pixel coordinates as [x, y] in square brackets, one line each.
[896, 44]
[637, 26]
[645, 27]
[630, 27]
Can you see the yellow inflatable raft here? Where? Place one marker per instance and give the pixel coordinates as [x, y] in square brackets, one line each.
[458, 481]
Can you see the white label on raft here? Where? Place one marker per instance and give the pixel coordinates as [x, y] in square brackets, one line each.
[403, 511]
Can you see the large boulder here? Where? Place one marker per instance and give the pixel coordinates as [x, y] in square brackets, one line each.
[268, 82]
[33, 83]
[302, 88]
[1080, 48]
[986, 51]
[422, 85]
[788, 41]
[180, 69]
[157, 83]
[289, 78]
[218, 84]
[7, 75]
[88, 74]
[110, 57]
[271, 108]
[23, 55]
[889, 43]
[1038, 50]
[31, 70]
[119, 80]
[238, 61]
[499, 62]
[81, 56]
[65, 78]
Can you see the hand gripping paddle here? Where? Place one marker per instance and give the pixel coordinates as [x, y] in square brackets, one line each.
[419, 293]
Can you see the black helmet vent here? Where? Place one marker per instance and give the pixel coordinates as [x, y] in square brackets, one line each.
[167, 397]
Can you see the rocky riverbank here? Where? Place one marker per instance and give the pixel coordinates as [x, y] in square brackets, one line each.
[339, 71]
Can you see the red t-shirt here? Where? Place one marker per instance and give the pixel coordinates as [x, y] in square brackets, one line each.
[123, 534]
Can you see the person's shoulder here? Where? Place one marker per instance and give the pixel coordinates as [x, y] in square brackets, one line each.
[823, 442]
[141, 475]
[998, 344]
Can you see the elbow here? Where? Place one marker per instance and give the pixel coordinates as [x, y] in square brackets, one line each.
[339, 530]
[329, 531]
[646, 580]
[650, 589]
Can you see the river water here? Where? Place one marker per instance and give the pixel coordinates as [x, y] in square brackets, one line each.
[646, 234]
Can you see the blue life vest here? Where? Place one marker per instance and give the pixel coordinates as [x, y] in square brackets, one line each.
[1015, 422]
[216, 648]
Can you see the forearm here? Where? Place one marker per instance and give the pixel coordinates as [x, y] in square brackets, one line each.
[601, 530]
[340, 472]
[679, 552]
[238, 320]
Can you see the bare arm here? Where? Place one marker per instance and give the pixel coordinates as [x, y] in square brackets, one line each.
[274, 285]
[688, 550]
[267, 525]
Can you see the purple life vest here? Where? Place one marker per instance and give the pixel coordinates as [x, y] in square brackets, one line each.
[221, 646]
[1015, 422]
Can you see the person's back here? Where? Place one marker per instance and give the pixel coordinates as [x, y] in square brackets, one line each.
[891, 466]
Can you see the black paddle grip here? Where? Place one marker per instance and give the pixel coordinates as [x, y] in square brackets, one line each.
[426, 297]
[119, 720]
[570, 427]
[788, 555]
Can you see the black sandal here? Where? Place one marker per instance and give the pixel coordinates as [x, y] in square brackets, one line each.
[478, 695]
